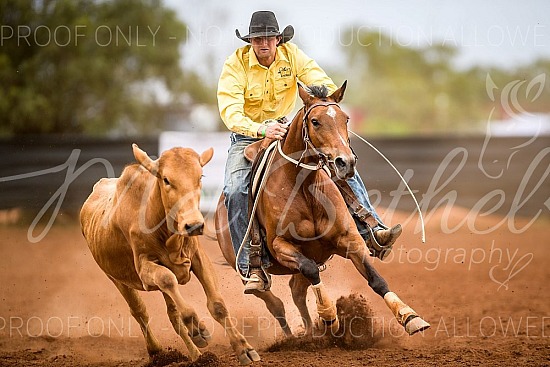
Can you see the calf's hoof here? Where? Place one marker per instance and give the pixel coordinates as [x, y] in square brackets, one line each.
[248, 356]
[201, 338]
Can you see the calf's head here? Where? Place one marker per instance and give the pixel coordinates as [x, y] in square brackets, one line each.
[178, 172]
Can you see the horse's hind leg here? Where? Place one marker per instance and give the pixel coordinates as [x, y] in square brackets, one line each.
[139, 312]
[288, 255]
[298, 286]
[277, 309]
[406, 316]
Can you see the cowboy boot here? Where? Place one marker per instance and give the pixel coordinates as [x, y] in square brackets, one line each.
[256, 281]
[387, 237]
[384, 240]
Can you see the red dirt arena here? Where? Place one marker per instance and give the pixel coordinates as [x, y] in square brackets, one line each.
[480, 280]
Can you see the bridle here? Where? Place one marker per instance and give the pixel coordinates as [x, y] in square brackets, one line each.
[323, 161]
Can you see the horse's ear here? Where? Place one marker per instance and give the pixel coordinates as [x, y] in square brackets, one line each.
[303, 93]
[338, 94]
[143, 159]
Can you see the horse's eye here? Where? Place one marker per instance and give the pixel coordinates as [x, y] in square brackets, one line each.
[315, 122]
[166, 182]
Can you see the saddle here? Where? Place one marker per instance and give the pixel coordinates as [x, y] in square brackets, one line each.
[256, 153]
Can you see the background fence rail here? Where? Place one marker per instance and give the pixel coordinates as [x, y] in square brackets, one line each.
[36, 170]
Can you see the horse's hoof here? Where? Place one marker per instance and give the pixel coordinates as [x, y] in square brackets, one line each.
[415, 325]
[249, 356]
[325, 326]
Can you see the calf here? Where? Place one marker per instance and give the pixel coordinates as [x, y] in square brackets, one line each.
[142, 231]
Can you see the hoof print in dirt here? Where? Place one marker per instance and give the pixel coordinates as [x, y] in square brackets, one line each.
[357, 326]
[166, 358]
[357, 330]
[173, 358]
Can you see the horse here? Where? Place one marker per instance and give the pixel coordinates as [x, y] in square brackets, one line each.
[304, 216]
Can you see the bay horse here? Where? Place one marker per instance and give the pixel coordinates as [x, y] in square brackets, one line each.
[305, 218]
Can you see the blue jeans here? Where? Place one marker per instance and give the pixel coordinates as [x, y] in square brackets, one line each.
[235, 189]
[358, 187]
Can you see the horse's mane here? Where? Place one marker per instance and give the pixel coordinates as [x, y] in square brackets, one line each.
[318, 91]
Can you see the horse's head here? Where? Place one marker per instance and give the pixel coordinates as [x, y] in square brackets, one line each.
[325, 128]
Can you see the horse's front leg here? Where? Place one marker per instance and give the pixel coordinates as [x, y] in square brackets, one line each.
[357, 252]
[288, 255]
[204, 271]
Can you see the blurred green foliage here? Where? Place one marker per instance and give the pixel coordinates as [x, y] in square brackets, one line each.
[397, 90]
[90, 66]
[107, 67]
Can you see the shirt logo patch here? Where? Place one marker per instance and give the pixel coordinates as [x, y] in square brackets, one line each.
[285, 71]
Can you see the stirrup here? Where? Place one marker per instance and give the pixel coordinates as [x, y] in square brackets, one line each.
[382, 253]
[379, 250]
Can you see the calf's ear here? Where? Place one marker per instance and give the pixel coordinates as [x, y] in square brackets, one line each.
[143, 159]
[206, 156]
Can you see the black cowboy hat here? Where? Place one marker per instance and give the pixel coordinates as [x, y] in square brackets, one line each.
[264, 24]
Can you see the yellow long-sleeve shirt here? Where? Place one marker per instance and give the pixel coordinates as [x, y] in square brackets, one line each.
[249, 93]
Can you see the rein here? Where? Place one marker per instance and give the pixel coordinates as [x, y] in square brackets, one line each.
[323, 161]
[267, 160]
[303, 165]
[322, 164]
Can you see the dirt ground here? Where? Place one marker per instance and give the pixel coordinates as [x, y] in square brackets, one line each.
[481, 281]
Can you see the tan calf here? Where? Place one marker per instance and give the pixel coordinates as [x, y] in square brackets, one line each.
[142, 231]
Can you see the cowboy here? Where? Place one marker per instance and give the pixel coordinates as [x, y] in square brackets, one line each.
[256, 90]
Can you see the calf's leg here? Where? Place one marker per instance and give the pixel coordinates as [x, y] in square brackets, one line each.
[203, 269]
[199, 337]
[154, 275]
[139, 312]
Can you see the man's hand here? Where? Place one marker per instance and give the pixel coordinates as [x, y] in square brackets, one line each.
[273, 130]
